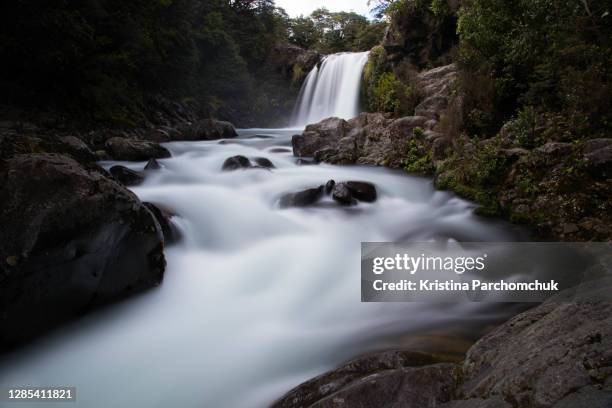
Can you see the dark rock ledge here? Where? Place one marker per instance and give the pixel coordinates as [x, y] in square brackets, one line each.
[557, 355]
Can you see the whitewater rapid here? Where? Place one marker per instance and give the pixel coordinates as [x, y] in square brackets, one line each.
[255, 299]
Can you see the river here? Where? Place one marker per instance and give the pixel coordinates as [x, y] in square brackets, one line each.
[256, 299]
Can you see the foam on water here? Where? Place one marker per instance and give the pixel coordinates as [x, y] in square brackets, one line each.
[255, 299]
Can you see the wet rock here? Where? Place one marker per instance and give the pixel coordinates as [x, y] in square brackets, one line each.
[329, 186]
[599, 162]
[236, 163]
[126, 176]
[152, 164]
[159, 136]
[318, 136]
[370, 138]
[411, 387]
[264, 162]
[493, 402]
[587, 397]
[342, 194]
[170, 231]
[72, 238]
[120, 148]
[541, 356]
[207, 129]
[281, 150]
[362, 191]
[303, 198]
[261, 137]
[77, 148]
[375, 380]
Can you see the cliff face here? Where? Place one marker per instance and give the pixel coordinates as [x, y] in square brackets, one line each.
[421, 36]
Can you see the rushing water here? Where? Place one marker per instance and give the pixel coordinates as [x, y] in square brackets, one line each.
[255, 299]
[331, 89]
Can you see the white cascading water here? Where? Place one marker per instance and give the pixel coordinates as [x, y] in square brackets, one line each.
[255, 299]
[331, 89]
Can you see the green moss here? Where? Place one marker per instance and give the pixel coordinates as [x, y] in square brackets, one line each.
[418, 159]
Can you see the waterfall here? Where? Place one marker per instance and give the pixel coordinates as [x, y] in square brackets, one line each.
[331, 89]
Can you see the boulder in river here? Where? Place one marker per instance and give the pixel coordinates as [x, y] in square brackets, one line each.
[540, 356]
[329, 186]
[349, 192]
[236, 163]
[77, 148]
[362, 190]
[264, 162]
[170, 231]
[206, 129]
[397, 378]
[125, 176]
[120, 148]
[152, 164]
[342, 194]
[71, 238]
[302, 198]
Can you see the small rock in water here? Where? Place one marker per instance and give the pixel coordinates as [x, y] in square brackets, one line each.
[235, 163]
[152, 164]
[260, 137]
[342, 194]
[363, 191]
[281, 150]
[170, 231]
[227, 142]
[329, 186]
[265, 163]
[126, 176]
[303, 198]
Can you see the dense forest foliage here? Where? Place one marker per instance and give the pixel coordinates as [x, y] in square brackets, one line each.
[103, 59]
[545, 65]
[328, 32]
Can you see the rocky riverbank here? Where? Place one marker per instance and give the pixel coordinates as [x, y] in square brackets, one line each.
[509, 179]
[556, 355]
[73, 236]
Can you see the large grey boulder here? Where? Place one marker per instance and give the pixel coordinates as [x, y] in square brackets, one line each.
[540, 356]
[71, 238]
[370, 138]
[376, 380]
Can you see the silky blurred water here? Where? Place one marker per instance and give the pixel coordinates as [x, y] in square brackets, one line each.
[255, 299]
[331, 89]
